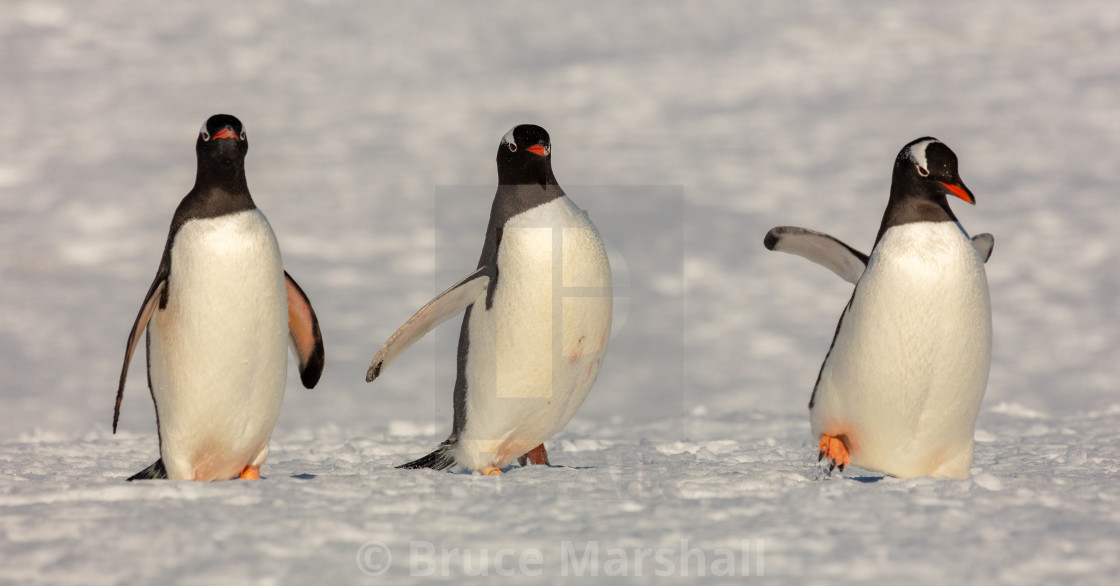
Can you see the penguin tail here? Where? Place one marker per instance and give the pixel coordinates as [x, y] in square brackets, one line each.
[154, 472]
[440, 459]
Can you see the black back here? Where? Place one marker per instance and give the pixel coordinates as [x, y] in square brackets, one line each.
[918, 186]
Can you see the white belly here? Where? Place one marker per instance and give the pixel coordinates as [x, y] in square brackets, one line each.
[535, 354]
[909, 365]
[218, 350]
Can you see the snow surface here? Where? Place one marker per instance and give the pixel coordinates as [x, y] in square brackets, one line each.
[687, 131]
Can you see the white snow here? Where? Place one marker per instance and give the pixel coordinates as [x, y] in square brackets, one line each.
[686, 131]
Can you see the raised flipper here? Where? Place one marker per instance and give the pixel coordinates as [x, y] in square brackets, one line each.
[303, 332]
[836, 256]
[820, 248]
[156, 296]
[445, 306]
[984, 244]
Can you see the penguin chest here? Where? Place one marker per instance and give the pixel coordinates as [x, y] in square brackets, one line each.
[218, 349]
[909, 364]
[536, 351]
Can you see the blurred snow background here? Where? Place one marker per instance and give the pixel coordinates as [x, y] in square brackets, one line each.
[735, 117]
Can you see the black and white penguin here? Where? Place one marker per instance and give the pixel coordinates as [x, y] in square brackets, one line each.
[537, 323]
[220, 315]
[901, 386]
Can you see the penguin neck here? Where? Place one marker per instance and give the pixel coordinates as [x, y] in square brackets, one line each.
[911, 202]
[218, 181]
[524, 186]
[512, 176]
[219, 189]
[514, 199]
[222, 176]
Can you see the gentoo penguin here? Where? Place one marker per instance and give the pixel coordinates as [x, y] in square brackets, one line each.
[537, 323]
[901, 386]
[220, 315]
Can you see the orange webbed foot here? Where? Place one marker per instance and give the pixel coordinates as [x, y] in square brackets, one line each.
[537, 456]
[251, 473]
[836, 449]
[490, 471]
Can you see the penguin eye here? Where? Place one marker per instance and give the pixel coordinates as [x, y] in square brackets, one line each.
[512, 147]
[923, 171]
[244, 135]
[205, 136]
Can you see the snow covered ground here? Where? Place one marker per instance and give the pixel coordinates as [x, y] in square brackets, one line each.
[687, 131]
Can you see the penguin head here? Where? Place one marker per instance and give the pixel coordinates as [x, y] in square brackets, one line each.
[525, 156]
[928, 168]
[222, 141]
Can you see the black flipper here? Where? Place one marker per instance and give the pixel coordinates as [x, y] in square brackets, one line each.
[154, 472]
[156, 297]
[440, 459]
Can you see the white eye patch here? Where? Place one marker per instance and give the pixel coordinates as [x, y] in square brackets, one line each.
[508, 139]
[918, 155]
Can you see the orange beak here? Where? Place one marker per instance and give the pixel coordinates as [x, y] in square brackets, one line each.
[960, 191]
[226, 133]
[538, 149]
